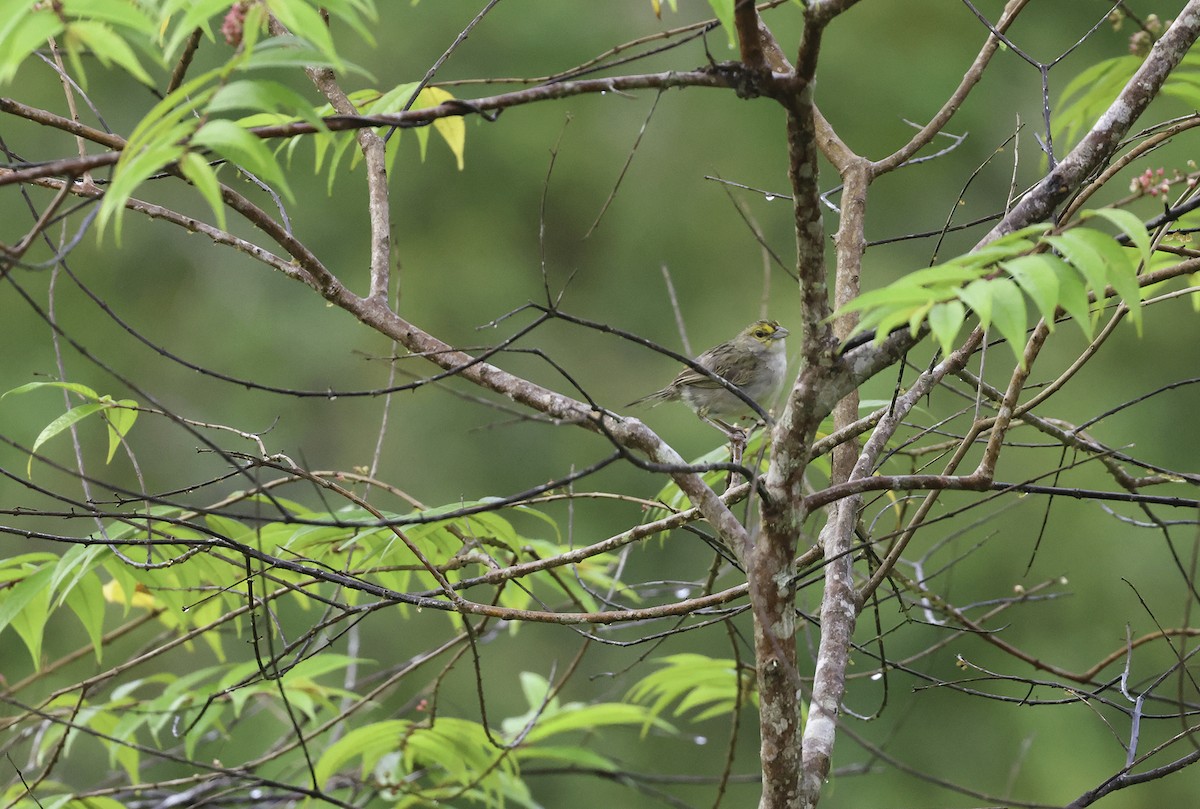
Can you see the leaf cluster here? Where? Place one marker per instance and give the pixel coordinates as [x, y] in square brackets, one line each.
[1061, 272]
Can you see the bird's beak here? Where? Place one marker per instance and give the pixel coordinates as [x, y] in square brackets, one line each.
[780, 333]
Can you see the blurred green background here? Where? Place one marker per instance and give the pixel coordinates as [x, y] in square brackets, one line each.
[468, 249]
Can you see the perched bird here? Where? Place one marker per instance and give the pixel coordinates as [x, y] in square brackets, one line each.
[754, 361]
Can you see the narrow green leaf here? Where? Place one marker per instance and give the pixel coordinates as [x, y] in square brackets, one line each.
[86, 600]
[1087, 79]
[22, 31]
[946, 320]
[1006, 247]
[356, 14]
[242, 148]
[72, 567]
[1120, 271]
[889, 297]
[1009, 315]
[977, 295]
[261, 95]
[134, 168]
[1081, 255]
[196, 14]
[580, 757]
[723, 9]
[1037, 278]
[304, 21]
[17, 597]
[172, 111]
[1036, 229]
[453, 130]
[1072, 295]
[369, 742]
[120, 417]
[82, 390]
[312, 667]
[584, 718]
[61, 423]
[293, 53]
[949, 274]
[118, 12]
[107, 46]
[917, 317]
[227, 527]
[340, 145]
[196, 169]
[893, 319]
[1089, 93]
[1130, 225]
[26, 609]
[869, 320]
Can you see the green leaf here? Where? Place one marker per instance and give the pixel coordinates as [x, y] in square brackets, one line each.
[1130, 225]
[82, 390]
[978, 296]
[1089, 94]
[195, 14]
[1007, 247]
[356, 14]
[1009, 315]
[196, 169]
[890, 297]
[61, 423]
[946, 320]
[1072, 295]
[950, 274]
[1036, 276]
[77, 563]
[917, 316]
[261, 95]
[1081, 255]
[174, 109]
[118, 12]
[156, 143]
[22, 31]
[580, 757]
[304, 21]
[120, 417]
[227, 527]
[291, 53]
[86, 600]
[107, 46]
[723, 9]
[452, 129]
[1120, 272]
[134, 168]
[26, 609]
[369, 743]
[312, 667]
[239, 146]
[701, 685]
[578, 717]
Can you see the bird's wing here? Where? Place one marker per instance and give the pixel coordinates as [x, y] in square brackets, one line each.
[691, 378]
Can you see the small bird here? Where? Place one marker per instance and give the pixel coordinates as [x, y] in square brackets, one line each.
[754, 361]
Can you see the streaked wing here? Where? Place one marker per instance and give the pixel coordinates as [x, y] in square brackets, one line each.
[690, 378]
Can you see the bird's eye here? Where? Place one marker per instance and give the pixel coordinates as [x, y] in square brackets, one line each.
[760, 333]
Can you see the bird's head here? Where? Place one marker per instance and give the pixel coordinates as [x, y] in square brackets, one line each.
[767, 333]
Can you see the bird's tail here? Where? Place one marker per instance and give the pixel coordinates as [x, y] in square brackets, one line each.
[656, 398]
